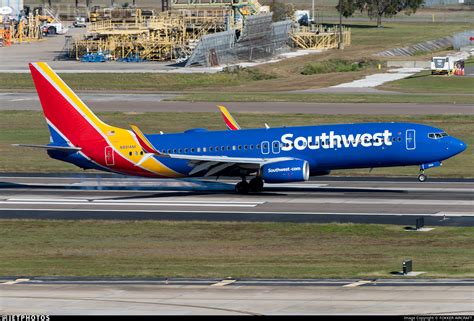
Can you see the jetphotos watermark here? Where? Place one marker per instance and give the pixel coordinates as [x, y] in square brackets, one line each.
[25, 317]
[332, 140]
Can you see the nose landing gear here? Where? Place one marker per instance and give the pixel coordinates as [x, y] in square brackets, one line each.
[422, 177]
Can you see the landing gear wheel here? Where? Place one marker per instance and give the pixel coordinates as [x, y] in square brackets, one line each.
[422, 177]
[256, 184]
[242, 187]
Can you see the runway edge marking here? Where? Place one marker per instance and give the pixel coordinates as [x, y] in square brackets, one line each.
[224, 282]
[15, 281]
[356, 284]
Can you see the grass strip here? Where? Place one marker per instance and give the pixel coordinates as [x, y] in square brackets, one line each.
[219, 250]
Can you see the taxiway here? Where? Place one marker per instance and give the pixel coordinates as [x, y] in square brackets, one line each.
[235, 297]
[143, 102]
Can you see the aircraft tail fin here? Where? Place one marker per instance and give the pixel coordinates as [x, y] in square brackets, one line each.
[69, 120]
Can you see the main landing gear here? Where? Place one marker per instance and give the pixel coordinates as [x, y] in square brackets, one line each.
[255, 185]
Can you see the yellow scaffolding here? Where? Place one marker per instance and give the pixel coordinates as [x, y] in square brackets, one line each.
[164, 36]
[306, 38]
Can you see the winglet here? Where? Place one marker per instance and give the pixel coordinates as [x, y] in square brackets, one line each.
[144, 142]
[228, 119]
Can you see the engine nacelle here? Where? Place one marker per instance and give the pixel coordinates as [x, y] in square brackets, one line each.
[285, 171]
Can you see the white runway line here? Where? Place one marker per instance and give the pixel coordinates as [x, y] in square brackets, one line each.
[128, 204]
[230, 212]
[230, 203]
[378, 201]
[131, 201]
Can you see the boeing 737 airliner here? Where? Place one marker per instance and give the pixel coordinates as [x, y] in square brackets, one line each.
[269, 155]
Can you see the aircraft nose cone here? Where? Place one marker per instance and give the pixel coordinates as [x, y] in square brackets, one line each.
[458, 146]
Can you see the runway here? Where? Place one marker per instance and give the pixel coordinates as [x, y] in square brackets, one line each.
[143, 102]
[331, 199]
[235, 297]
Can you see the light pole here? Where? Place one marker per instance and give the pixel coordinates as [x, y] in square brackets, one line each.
[340, 45]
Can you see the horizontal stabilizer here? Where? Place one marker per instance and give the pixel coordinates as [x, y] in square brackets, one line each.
[49, 147]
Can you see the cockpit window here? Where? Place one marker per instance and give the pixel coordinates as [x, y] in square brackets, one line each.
[437, 135]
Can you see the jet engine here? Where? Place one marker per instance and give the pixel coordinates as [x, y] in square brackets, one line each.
[285, 171]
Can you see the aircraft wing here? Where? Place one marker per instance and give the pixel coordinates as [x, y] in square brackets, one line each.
[227, 159]
[228, 119]
[214, 165]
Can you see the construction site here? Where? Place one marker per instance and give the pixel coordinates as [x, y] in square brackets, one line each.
[191, 33]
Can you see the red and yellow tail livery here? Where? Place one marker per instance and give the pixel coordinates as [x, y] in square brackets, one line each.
[114, 148]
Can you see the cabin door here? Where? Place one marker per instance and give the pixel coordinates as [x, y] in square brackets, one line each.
[265, 147]
[109, 156]
[410, 139]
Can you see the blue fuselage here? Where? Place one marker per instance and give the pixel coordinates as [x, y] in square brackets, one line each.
[324, 147]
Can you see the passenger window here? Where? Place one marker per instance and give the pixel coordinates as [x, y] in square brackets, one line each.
[399, 139]
[192, 150]
[141, 153]
[174, 151]
[246, 147]
[210, 149]
[180, 150]
[204, 149]
[199, 149]
[185, 150]
[240, 147]
[130, 154]
[258, 146]
[217, 148]
[251, 146]
[228, 147]
[233, 147]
